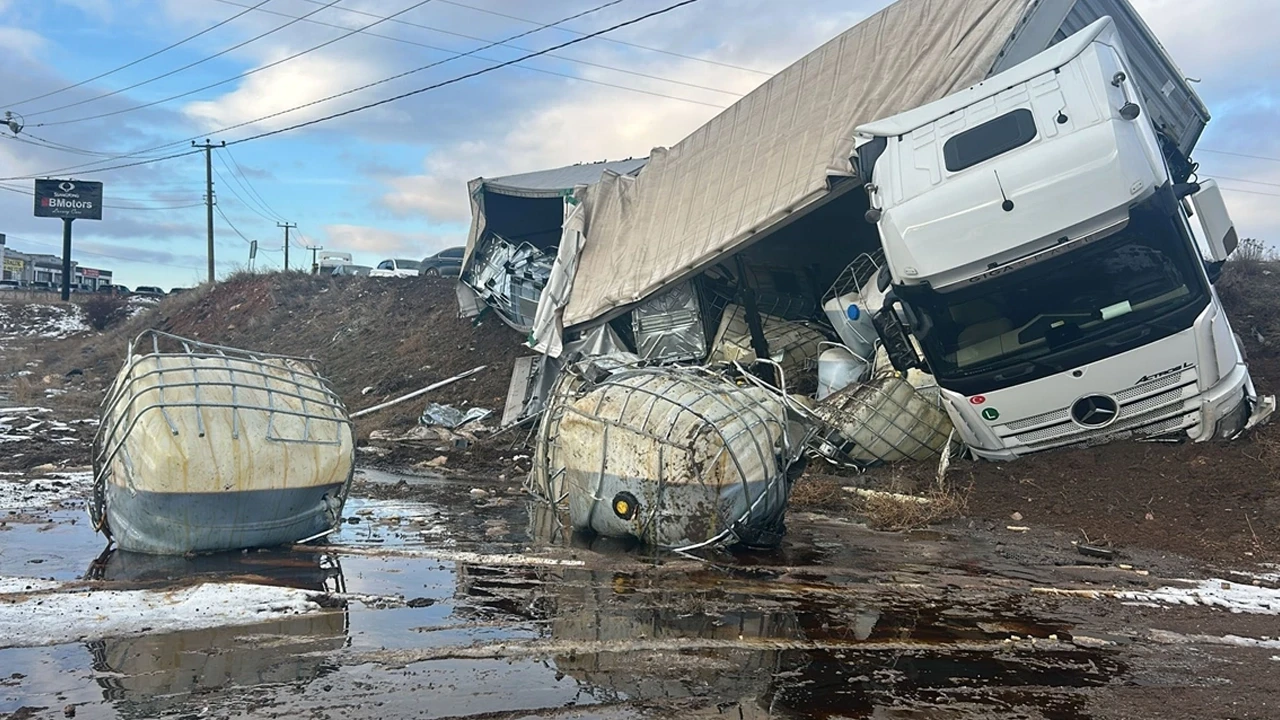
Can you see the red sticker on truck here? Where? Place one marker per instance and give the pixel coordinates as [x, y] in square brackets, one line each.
[978, 399]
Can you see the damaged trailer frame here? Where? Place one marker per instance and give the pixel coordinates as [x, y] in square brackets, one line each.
[516, 225]
[783, 156]
[764, 205]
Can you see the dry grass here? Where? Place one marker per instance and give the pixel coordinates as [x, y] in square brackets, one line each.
[890, 510]
[885, 512]
[819, 493]
[26, 390]
[901, 503]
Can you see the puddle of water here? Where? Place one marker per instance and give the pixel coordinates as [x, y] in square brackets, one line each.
[58, 545]
[744, 633]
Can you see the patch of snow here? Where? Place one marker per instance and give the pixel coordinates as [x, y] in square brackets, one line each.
[1218, 593]
[69, 322]
[11, 585]
[20, 410]
[51, 618]
[1167, 636]
[56, 490]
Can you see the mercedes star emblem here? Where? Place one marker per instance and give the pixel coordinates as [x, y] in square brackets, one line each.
[1095, 411]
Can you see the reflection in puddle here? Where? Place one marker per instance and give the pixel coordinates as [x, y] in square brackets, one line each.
[305, 571]
[156, 674]
[779, 648]
[152, 675]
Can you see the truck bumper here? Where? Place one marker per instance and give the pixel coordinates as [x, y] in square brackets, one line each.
[1221, 412]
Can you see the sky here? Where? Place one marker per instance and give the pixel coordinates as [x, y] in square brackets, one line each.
[390, 181]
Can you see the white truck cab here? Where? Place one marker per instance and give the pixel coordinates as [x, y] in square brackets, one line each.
[1042, 257]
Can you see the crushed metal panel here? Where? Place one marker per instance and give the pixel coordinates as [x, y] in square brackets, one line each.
[522, 374]
[671, 327]
[510, 278]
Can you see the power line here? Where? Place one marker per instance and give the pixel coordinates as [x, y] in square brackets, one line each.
[141, 59]
[148, 161]
[466, 76]
[1250, 192]
[1224, 152]
[504, 44]
[188, 66]
[454, 80]
[30, 193]
[315, 102]
[615, 40]
[37, 243]
[240, 197]
[252, 190]
[231, 225]
[246, 73]
[1251, 182]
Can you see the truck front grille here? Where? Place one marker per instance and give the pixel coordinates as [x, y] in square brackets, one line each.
[1152, 408]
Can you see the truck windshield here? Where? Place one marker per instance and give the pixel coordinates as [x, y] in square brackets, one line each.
[1120, 292]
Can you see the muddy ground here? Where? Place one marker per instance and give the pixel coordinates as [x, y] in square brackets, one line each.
[456, 597]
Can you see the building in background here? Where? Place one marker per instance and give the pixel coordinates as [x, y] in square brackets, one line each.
[29, 268]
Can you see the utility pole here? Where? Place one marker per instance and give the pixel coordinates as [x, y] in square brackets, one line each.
[315, 267]
[208, 189]
[286, 227]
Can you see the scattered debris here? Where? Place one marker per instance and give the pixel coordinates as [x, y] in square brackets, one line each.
[417, 393]
[450, 417]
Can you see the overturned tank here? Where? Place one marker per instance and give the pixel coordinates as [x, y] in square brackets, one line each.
[677, 457]
[203, 448]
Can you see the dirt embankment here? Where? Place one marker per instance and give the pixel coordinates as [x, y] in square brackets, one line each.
[1216, 501]
[375, 338]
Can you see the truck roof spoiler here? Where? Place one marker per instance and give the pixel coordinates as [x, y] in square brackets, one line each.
[1047, 61]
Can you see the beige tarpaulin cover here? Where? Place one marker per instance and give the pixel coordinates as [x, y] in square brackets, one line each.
[771, 153]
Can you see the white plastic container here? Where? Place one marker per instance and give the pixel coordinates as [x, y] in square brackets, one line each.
[852, 323]
[839, 368]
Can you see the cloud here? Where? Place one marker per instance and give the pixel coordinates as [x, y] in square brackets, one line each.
[587, 123]
[297, 82]
[22, 42]
[384, 243]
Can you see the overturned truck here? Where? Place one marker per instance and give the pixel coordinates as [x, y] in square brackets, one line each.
[753, 244]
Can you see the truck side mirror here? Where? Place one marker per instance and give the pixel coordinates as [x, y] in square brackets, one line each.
[1219, 230]
[897, 343]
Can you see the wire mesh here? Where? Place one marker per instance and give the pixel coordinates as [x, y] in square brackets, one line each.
[698, 459]
[793, 345]
[179, 379]
[881, 421]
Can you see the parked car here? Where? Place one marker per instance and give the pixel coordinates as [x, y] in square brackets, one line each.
[350, 270]
[10, 285]
[150, 291]
[113, 290]
[446, 263]
[41, 286]
[396, 268]
[178, 290]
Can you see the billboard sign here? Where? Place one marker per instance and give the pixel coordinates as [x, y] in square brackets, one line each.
[69, 199]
